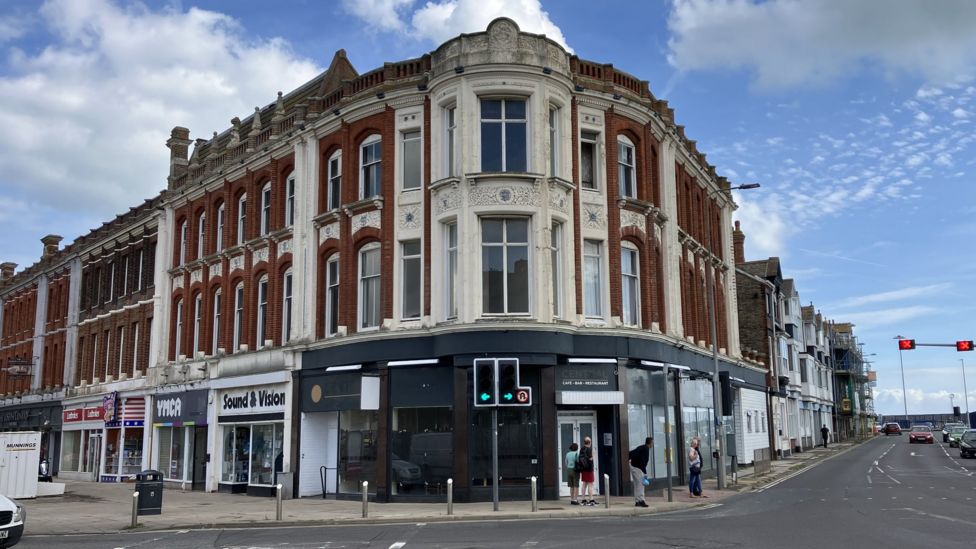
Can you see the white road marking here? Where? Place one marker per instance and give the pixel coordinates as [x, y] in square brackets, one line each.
[923, 513]
[869, 479]
[398, 545]
[530, 544]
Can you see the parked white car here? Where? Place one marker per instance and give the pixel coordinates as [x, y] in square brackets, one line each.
[12, 519]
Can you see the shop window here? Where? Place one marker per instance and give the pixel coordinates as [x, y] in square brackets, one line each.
[234, 468]
[335, 181]
[411, 266]
[266, 453]
[412, 160]
[422, 445]
[519, 448]
[370, 167]
[503, 135]
[358, 439]
[505, 265]
[630, 285]
[71, 450]
[172, 458]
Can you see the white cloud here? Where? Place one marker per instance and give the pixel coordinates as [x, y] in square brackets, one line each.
[788, 43]
[927, 92]
[896, 295]
[919, 401]
[87, 117]
[766, 230]
[960, 113]
[920, 116]
[13, 27]
[439, 20]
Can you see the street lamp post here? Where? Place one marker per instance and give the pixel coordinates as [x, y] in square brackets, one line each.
[965, 394]
[716, 386]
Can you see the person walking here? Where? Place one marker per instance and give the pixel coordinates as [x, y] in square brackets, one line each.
[694, 468]
[584, 462]
[824, 433]
[639, 457]
[572, 475]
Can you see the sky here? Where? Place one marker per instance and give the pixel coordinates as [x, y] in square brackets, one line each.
[857, 119]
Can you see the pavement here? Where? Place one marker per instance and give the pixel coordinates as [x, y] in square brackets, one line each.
[96, 508]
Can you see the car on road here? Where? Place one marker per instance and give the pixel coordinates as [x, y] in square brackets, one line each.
[967, 444]
[12, 519]
[955, 433]
[892, 429]
[921, 433]
[945, 430]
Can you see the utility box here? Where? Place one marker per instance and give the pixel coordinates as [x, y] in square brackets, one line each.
[149, 485]
[20, 456]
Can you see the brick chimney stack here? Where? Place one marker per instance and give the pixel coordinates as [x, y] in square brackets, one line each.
[179, 149]
[6, 273]
[739, 244]
[51, 243]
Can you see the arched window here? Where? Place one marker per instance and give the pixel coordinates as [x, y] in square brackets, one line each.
[201, 234]
[266, 208]
[290, 200]
[369, 286]
[238, 315]
[370, 167]
[332, 295]
[630, 284]
[334, 192]
[179, 327]
[219, 240]
[215, 336]
[241, 218]
[262, 332]
[184, 228]
[286, 305]
[626, 174]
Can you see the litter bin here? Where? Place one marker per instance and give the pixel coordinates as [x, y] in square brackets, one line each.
[149, 484]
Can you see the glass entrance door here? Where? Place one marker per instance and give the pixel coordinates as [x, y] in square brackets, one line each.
[574, 427]
[94, 455]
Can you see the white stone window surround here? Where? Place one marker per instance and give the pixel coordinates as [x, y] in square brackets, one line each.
[408, 120]
[627, 188]
[475, 255]
[403, 258]
[263, 292]
[591, 120]
[290, 188]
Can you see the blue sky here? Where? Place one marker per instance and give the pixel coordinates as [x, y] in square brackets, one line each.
[856, 118]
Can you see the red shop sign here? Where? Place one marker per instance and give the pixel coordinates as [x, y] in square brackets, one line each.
[94, 414]
[73, 415]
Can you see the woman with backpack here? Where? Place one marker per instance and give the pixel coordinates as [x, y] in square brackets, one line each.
[584, 464]
[572, 474]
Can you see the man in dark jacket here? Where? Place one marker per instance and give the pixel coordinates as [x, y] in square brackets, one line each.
[824, 433]
[639, 457]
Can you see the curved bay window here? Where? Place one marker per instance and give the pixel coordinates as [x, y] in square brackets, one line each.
[504, 143]
[505, 265]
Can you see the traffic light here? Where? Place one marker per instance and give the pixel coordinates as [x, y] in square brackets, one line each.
[507, 381]
[964, 345]
[906, 344]
[485, 383]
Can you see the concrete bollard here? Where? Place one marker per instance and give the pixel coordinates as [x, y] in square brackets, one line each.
[450, 496]
[278, 502]
[365, 500]
[535, 499]
[135, 509]
[606, 490]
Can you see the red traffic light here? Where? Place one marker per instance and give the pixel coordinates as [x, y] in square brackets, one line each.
[906, 344]
[964, 345]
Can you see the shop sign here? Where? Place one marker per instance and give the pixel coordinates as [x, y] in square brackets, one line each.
[94, 414]
[109, 405]
[253, 400]
[586, 377]
[73, 415]
[332, 392]
[189, 408]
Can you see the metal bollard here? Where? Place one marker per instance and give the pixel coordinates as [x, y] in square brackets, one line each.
[450, 496]
[606, 490]
[135, 509]
[535, 499]
[278, 502]
[365, 500]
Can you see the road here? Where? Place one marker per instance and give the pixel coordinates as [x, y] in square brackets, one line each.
[885, 493]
